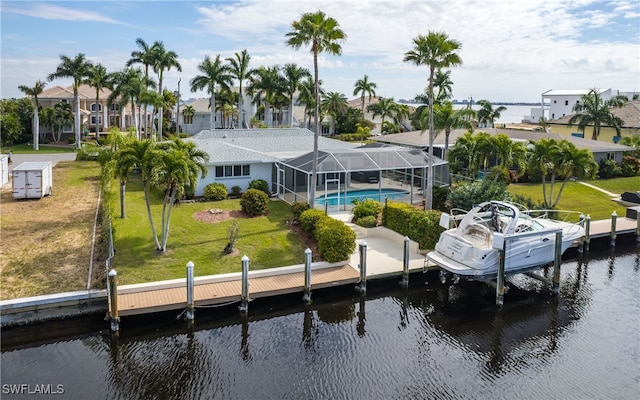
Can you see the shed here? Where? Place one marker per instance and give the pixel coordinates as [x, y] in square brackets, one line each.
[32, 180]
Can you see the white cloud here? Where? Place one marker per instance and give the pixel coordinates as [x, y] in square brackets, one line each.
[54, 12]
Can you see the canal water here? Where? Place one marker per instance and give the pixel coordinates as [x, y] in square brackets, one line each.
[429, 341]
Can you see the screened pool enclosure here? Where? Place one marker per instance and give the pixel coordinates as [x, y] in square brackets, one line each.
[392, 172]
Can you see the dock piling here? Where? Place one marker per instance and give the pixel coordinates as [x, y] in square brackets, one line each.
[587, 232]
[307, 276]
[500, 277]
[614, 218]
[556, 263]
[362, 285]
[190, 306]
[113, 301]
[638, 227]
[244, 299]
[405, 263]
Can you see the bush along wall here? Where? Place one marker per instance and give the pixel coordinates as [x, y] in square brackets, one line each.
[419, 225]
[336, 241]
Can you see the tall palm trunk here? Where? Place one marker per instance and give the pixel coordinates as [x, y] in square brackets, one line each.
[148, 203]
[36, 129]
[429, 200]
[213, 110]
[316, 131]
[122, 191]
[76, 122]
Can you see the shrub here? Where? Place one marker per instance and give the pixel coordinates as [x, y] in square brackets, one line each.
[254, 202]
[298, 208]
[366, 208]
[236, 191]
[215, 191]
[367, 222]
[465, 195]
[309, 219]
[259, 184]
[419, 225]
[336, 241]
[440, 195]
[630, 166]
[609, 169]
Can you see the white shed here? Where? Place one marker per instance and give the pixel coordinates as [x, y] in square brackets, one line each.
[4, 170]
[32, 180]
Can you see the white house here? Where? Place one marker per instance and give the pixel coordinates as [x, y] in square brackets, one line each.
[557, 103]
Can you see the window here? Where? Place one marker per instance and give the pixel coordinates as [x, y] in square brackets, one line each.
[93, 107]
[554, 102]
[187, 119]
[229, 171]
[611, 156]
[114, 107]
[93, 119]
[566, 102]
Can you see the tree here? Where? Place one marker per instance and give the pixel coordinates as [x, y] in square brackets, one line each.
[446, 118]
[509, 154]
[323, 35]
[487, 114]
[213, 73]
[98, 78]
[265, 85]
[162, 59]
[436, 51]
[129, 86]
[77, 69]
[471, 150]
[385, 107]
[543, 124]
[306, 96]
[34, 92]
[443, 82]
[593, 110]
[142, 154]
[559, 160]
[239, 68]
[335, 104]
[293, 76]
[364, 87]
[180, 164]
[145, 57]
[187, 113]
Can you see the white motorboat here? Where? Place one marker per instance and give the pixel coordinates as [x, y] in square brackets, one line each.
[471, 250]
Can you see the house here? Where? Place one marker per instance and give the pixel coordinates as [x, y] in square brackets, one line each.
[108, 116]
[417, 139]
[283, 158]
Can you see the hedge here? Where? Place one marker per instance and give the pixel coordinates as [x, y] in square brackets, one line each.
[336, 241]
[419, 225]
[308, 220]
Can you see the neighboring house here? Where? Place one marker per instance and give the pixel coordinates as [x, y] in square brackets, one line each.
[417, 139]
[110, 116]
[558, 103]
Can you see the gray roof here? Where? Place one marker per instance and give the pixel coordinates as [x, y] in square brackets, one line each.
[261, 145]
[421, 140]
[364, 158]
[629, 113]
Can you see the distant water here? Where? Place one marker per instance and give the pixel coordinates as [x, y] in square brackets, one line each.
[513, 114]
[427, 342]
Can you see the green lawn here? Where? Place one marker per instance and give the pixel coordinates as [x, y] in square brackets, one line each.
[266, 240]
[575, 197]
[42, 149]
[618, 185]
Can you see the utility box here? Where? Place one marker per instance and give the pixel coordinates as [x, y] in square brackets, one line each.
[32, 180]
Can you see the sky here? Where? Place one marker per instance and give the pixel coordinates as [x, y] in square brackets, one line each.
[512, 50]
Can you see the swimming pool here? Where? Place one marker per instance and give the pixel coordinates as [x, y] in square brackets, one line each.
[362, 194]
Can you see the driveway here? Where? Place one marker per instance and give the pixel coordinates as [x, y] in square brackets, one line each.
[17, 159]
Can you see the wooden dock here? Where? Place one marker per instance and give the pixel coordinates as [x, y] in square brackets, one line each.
[602, 228]
[144, 299]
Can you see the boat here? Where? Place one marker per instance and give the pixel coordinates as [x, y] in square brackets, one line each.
[471, 250]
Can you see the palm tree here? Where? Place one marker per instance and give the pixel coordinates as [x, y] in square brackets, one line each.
[213, 73]
[446, 118]
[472, 150]
[443, 82]
[293, 76]
[34, 92]
[543, 124]
[322, 34]
[306, 96]
[385, 107]
[77, 69]
[99, 79]
[145, 57]
[509, 154]
[593, 110]
[239, 68]
[187, 113]
[335, 104]
[141, 154]
[436, 51]
[487, 114]
[128, 87]
[559, 160]
[161, 60]
[364, 87]
[401, 113]
[265, 85]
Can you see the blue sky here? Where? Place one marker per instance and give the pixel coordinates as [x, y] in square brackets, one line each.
[512, 50]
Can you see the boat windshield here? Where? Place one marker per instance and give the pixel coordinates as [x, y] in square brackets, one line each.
[498, 217]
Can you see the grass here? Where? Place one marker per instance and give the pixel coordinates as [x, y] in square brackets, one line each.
[575, 197]
[23, 148]
[266, 240]
[45, 243]
[618, 185]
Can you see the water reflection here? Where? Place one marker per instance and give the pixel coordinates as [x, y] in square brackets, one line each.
[425, 341]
